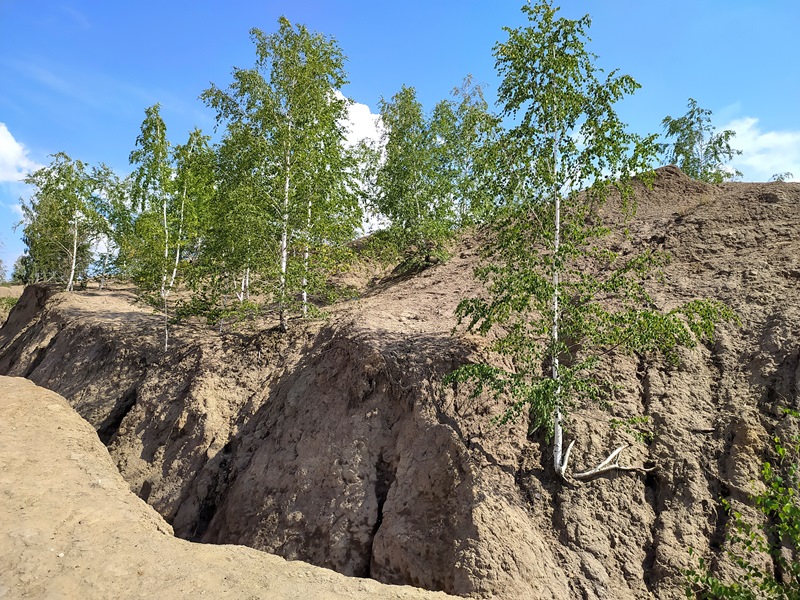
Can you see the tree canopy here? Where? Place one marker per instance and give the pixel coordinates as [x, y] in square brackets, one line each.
[285, 168]
[698, 150]
[269, 211]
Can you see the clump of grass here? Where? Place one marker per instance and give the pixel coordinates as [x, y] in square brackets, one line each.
[6, 304]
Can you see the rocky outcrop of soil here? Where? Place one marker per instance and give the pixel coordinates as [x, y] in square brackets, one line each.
[72, 529]
[337, 443]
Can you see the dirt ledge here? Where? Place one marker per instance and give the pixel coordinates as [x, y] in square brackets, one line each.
[76, 531]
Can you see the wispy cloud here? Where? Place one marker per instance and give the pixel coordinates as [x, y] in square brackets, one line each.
[16, 208]
[53, 85]
[73, 88]
[764, 153]
[80, 19]
[15, 163]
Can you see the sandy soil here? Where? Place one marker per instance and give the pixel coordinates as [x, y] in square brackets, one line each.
[338, 445]
[72, 529]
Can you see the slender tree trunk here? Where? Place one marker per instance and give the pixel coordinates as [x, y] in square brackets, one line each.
[178, 243]
[244, 289]
[166, 288]
[306, 254]
[246, 277]
[166, 325]
[165, 272]
[284, 243]
[557, 428]
[103, 272]
[74, 252]
[559, 460]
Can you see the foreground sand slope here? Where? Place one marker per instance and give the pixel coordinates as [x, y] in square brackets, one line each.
[74, 530]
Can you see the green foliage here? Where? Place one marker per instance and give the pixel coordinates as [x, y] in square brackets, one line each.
[767, 552]
[557, 297]
[470, 142]
[698, 150]
[413, 192]
[785, 176]
[286, 201]
[22, 271]
[638, 427]
[60, 222]
[163, 221]
[214, 310]
[113, 205]
[428, 184]
[7, 303]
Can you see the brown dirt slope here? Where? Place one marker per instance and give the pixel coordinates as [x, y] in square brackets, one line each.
[337, 444]
[72, 529]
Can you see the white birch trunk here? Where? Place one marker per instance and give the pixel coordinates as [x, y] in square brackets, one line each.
[178, 244]
[166, 326]
[284, 244]
[164, 271]
[244, 288]
[71, 281]
[559, 459]
[306, 254]
[557, 429]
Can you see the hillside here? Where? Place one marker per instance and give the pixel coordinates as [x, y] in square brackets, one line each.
[336, 444]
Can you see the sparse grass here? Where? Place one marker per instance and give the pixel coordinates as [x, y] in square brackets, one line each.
[6, 304]
[638, 427]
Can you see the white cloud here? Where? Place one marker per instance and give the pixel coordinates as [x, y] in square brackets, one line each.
[764, 153]
[361, 122]
[14, 161]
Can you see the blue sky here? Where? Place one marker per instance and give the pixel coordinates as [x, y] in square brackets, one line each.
[76, 75]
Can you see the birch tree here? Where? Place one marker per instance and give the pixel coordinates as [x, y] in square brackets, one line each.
[194, 185]
[112, 203]
[285, 140]
[698, 149]
[60, 221]
[168, 185]
[558, 299]
[428, 182]
[414, 182]
[469, 131]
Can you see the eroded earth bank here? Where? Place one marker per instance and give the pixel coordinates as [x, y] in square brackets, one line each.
[338, 445]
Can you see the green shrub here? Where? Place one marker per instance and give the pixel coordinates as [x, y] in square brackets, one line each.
[776, 539]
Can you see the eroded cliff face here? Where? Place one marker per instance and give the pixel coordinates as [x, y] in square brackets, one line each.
[337, 443]
[87, 536]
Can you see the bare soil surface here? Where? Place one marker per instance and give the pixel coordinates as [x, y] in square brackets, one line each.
[11, 291]
[337, 443]
[73, 529]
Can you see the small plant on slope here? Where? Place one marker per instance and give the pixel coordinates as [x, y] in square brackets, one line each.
[768, 554]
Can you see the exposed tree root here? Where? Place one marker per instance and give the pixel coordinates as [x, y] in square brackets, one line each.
[561, 469]
[609, 464]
